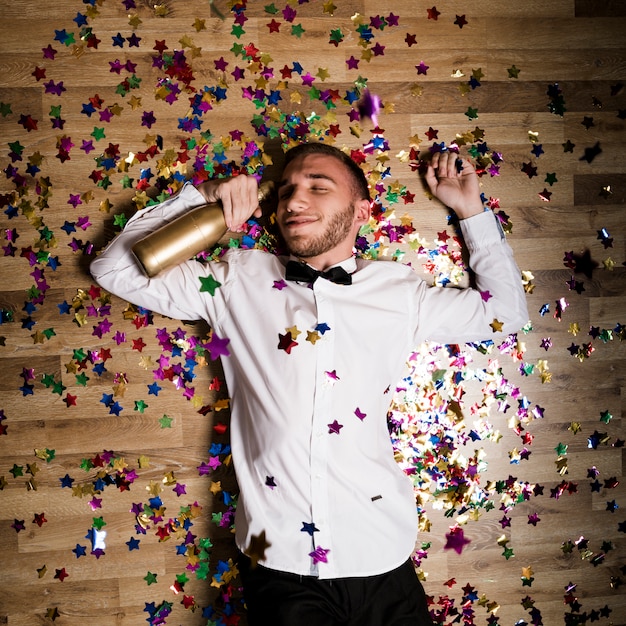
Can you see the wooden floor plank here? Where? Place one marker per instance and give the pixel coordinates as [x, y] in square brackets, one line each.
[97, 434]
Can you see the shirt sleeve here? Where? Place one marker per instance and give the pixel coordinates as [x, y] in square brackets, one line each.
[495, 305]
[174, 292]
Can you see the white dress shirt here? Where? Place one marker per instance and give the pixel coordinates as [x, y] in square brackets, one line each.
[311, 372]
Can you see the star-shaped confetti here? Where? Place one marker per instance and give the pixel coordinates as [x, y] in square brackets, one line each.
[456, 540]
[286, 342]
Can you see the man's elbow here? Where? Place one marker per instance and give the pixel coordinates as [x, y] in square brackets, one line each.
[105, 274]
[98, 272]
[518, 317]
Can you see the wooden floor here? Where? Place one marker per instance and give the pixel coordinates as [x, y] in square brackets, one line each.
[116, 421]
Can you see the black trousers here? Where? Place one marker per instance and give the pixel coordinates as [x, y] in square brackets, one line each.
[274, 598]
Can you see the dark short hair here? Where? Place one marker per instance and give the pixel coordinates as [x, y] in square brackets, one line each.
[359, 181]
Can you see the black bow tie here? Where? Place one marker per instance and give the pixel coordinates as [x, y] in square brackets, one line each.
[306, 274]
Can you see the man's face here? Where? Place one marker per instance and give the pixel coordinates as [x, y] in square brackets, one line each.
[317, 213]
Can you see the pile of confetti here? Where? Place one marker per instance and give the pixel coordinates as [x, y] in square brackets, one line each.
[447, 413]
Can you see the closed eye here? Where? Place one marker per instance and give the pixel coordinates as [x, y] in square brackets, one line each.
[285, 191]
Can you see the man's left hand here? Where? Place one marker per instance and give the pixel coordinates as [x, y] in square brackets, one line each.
[454, 181]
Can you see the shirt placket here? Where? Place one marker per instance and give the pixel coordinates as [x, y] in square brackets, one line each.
[321, 563]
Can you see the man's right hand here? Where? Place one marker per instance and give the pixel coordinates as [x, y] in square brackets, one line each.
[239, 196]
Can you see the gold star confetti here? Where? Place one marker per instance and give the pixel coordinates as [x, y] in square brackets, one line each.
[197, 402]
[199, 24]
[313, 336]
[322, 73]
[493, 607]
[161, 10]
[574, 427]
[38, 337]
[146, 362]
[141, 199]
[119, 464]
[561, 466]
[43, 454]
[134, 20]
[389, 107]
[119, 390]
[513, 71]
[154, 488]
[527, 278]
[496, 325]
[33, 468]
[329, 7]
[257, 548]
[135, 102]
[294, 332]
[169, 479]
[546, 377]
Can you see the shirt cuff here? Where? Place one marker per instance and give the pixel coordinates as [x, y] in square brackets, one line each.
[188, 198]
[481, 230]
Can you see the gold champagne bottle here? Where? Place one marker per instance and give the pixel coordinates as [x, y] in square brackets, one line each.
[186, 236]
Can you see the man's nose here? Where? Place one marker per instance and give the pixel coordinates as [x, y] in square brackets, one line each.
[297, 200]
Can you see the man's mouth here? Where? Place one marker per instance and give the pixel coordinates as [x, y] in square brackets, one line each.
[296, 222]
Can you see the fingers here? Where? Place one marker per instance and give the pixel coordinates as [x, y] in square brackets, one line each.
[449, 164]
[239, 197]
[430, 176]
[442, 165]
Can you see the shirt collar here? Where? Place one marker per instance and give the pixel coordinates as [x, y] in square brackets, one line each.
[348, 264]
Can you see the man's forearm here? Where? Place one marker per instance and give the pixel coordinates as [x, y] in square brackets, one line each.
[116, 269]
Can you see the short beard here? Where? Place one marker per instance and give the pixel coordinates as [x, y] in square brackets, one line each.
[337, 229]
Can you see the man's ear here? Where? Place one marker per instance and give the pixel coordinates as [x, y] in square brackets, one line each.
[362, 211]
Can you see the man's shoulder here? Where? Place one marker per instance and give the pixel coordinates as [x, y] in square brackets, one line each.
[251, 257]
[244, 253]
